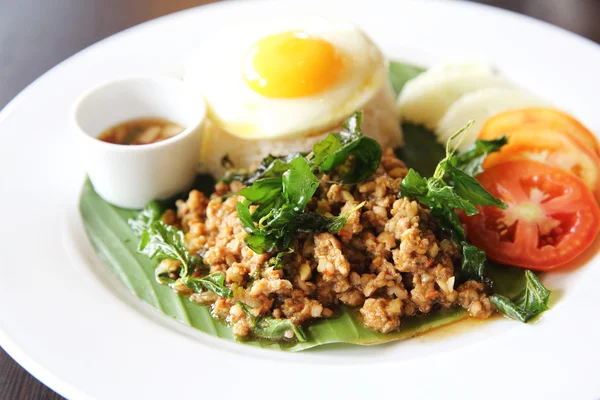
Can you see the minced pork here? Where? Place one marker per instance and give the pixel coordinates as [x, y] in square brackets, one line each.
[390, 260]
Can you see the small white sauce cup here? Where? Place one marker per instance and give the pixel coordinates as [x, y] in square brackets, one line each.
[130, 176]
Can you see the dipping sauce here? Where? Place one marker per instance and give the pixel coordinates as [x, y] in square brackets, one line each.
[141, 131]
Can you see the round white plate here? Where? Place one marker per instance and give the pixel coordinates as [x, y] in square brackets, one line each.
[69, 322]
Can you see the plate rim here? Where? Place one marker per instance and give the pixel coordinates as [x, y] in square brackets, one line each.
[21, 356]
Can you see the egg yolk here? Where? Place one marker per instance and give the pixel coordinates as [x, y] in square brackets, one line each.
[290, 65]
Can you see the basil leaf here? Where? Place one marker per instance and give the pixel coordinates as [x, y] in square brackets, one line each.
[471, 159]
[313, 222]
[534, 297]
[471, 190]
[449, 189]
[473, 258]
[299, 184]
[352, 126]
[338, 148]
[413, 185]
[271, 328]
[448, 221]
[287, 184]
[337, 158]
[473, 263]
[245, 217]
[508, 308]
[275, 329]
[267, 208]
[277, 261]
[213, 282]
[335, 224]
[260, 242]
[432, 194]
[275, 168]
[285, 223]
[162, 274]
[270, 166]
[152, 212]
[446, 198]
[325, 148]
[263, 190]
[367, 156]
[160, 241]
[283, 216]
[532, 301]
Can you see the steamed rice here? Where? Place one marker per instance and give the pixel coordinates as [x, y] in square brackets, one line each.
[380, 122]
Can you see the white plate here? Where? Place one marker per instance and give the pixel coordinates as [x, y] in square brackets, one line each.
[68, 321]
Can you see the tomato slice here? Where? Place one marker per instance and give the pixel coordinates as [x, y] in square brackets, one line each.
[553, 148]
[549, 118]
[551, 217]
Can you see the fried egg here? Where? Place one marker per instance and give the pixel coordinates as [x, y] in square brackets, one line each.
[286, 79]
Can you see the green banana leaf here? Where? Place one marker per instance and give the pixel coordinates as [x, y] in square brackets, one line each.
[116, 244]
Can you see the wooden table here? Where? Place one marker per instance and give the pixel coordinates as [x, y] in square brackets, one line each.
[36, 35]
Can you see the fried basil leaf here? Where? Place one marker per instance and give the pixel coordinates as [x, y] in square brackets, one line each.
[213, 282]
[261, 243]
[413, 185]
[471, 190]
[338, 147]
[269, 167]
[245, 217]
[162, 274]
[445, 197]
[326, 148]
[281, 217]
[299, 184]
[275, 329]
[277, 261]
[152, 212]
[313, 222]
[473, 263]
[452, 189]
[272, 328]
[282, 187]
[471, 159]
[160, 241]
[265, 209]
[532, 301]
[448, 221]
[263, 190]
[367, 157]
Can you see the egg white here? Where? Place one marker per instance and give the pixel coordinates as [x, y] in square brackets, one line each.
[215, 70]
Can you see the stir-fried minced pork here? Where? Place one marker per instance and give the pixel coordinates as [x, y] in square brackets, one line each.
[390, 259]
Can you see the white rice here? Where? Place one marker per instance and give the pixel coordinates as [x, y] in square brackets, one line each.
[380, 122]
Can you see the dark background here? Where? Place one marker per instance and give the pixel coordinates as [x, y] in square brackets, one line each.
[35, 35]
